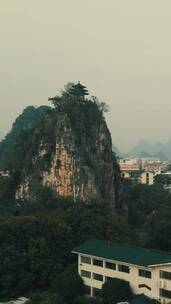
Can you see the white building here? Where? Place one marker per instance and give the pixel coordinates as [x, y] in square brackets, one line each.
[147, 178]
[125, 174]
[128, 165]
[4, 173]
[21, 300]
[147, 271]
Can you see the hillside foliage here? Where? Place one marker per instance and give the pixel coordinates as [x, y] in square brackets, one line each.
[16, 143]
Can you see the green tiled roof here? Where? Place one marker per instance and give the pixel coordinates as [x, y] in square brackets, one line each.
[124, 253]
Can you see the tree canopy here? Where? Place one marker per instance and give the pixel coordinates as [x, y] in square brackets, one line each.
[115, 290]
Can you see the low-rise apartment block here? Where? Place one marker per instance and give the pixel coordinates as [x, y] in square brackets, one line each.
[147, 178]
[148, 271]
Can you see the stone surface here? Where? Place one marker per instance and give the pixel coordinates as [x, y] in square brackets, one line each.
[74, 162]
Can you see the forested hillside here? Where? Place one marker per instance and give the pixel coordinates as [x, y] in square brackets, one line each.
[16, 143]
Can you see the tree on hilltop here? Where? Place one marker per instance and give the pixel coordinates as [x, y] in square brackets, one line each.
[77, 92]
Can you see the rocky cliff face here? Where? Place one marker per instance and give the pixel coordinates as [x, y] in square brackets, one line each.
[72, 154]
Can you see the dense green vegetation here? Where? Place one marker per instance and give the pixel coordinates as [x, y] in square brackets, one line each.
[16, 143]
[149, 211]
[116, 290]
[7, 192]
[36, 246]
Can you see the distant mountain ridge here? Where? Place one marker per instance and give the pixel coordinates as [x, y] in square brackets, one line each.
[116, 151]
[146, 148]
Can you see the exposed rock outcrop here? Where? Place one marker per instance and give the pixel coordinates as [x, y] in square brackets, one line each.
[72, 154]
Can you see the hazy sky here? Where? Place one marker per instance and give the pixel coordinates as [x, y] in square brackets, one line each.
[120, 49]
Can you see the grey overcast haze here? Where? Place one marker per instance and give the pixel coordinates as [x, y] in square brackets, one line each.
[120, 49]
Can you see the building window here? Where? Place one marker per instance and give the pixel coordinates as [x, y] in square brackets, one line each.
[85, 260]
[97, 277]
[98, 262]
[165, 275]
[123, 268]
[144, 286]
[165, 293]
[95, 292]
[144, 273]
[110, 265]
[108, 279]
[88, 290]
[86, 274]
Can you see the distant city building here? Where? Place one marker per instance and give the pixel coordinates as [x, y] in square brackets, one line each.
[21, 300]
[147, 170]
[129, 165]
[132, 176]
[164, 179]
[125, 174]
[4, 173]
[149, 160]
[147, 178]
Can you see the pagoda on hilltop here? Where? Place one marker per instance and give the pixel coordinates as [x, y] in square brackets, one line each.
[78, 90]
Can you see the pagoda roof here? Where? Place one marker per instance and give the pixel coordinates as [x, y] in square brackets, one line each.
[78, 89]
